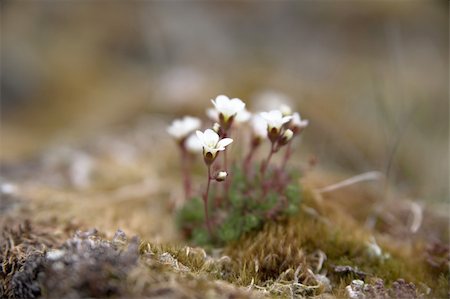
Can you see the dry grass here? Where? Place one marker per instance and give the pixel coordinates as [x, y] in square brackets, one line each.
[285, 258]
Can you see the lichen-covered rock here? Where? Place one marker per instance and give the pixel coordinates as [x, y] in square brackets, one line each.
[400, 289]
[88, 266]
[355, 290]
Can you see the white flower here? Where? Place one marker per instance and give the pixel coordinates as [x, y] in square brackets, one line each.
[298, 122]
[193, 144]
[241, 117]
[181, 128]
[275, 120]
[227, 108]
[259, 126]
[212, 144]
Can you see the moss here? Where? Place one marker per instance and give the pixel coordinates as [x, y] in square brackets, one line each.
[283, 247]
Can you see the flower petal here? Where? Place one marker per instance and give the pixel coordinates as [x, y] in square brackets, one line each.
[200, 136]
[243, 116]
[259, 126]
[210, 138]
[193, 144]
[265, 116]
[222, 100]
[275, 114]
[286, 119]
[238, 104]
[224, 142]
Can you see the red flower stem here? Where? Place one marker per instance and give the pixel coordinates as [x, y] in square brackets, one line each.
[266, 163]
[205, 202]
[185, 172]
[225, 162]
[248, 160]
[287, 155]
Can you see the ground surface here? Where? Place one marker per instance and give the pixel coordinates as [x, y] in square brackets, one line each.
[86, 165]
[95, 223]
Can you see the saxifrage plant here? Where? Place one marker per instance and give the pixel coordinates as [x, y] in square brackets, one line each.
[252, 192]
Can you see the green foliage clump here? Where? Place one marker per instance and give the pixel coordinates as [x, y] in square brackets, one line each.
[249, 202]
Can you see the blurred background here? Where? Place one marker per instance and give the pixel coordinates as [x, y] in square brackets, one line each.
[371, 76]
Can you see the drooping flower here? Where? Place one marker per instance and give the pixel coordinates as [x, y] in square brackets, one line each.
[259, 127]
[181, 128]
[212, 144]
[275, 120]
[298, 123]
[227, 109]
[193, 144]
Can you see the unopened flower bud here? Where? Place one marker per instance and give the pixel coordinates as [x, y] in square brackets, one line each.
[216, 128]
[285, 110]
[286, 137]
[221, 176]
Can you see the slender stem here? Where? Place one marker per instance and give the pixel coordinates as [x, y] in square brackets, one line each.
[225, 164]
[185, 172]
[287, 155]
[205, 202]
[247, 161]
[226, 184]
[266, 163]
[225, 160]
[248, 158]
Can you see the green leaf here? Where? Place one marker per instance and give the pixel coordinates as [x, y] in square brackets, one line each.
[191, 212]
[200, 236]
[251, 222]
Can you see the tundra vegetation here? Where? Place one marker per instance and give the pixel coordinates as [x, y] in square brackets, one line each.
[250, 193]
[251, 222]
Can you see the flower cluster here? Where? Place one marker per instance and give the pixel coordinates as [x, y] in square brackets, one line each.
[229, 116]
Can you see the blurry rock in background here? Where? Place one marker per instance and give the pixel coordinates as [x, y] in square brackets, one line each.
[371, 77]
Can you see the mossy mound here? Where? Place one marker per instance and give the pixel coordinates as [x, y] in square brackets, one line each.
[314, 252]
[88, 265]
[320, 251]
